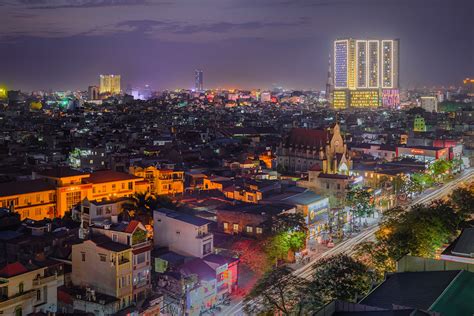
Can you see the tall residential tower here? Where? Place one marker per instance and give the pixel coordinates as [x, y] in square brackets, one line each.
[366, 73]
[110, 84]
[198, 80]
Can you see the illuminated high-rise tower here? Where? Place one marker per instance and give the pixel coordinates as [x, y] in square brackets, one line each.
[365, 72]
[329, 87]
[110, 84]
[389, 64]
[198, 80]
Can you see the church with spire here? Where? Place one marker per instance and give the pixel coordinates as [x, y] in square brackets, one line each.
[322, 151]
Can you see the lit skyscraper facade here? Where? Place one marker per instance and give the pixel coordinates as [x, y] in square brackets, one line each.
[373, 64]
[110, 84]
[198, 80]
[361, 65]
[365, 70]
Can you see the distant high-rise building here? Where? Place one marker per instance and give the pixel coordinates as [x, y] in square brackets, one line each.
[110, 84]
[329, 83]
[93, 93]
[429, 103]
[198, 80]
[362, 68]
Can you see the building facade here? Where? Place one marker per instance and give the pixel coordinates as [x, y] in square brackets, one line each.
[364, 72]
[109, 84]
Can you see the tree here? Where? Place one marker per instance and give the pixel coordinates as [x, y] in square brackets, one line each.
[340, 277]
[360, 202]
[143, 204]
[462, 200]
[287, 233]
[281, 291]
[400, 185]
[252, 254]
[440, 168]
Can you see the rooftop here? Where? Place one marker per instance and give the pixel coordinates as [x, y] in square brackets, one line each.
[110, 176]
[24, 187]
[190, 219]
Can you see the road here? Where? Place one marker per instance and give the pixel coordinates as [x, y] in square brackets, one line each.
[348, 245]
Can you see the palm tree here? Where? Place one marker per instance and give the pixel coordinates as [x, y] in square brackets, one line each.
[143, 204]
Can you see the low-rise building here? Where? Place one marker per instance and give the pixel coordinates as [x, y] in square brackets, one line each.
[104, 266]
[182, 233]
[162, 181]
[26, 289]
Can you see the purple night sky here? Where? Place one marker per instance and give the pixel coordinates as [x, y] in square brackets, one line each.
[66, 44]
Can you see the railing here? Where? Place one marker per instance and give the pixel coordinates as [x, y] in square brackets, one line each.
[203, 235]
[16, 299]
[44, 280]
[142, 244]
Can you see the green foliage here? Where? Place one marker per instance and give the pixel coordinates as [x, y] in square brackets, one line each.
[440, 168]
[463, 201]
[288, 233]
[340, 277]
[420, 231]
[360, 202]
[400, 185]
[139, 236]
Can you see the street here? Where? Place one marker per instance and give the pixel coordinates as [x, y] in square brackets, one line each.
[348, 245]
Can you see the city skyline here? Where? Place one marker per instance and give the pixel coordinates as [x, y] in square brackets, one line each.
[257, 44]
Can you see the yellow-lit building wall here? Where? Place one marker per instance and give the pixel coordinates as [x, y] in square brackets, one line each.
[162, 182]
[364, 98]
[340, 99]
[35, 205]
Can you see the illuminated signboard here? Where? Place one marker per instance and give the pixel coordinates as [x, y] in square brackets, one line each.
[390, 98]
[417, 151]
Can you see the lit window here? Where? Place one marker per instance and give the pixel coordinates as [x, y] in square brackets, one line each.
[258, 230]
[236, 228]
[249, 229]
[226, 226]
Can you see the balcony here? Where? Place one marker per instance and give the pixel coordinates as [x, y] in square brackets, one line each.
[203, 235]
[44, 280]
[14, 300]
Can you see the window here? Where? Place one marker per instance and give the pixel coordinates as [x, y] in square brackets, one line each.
[18, 311]
[114, 186]
[258, 230]
[38, 197]
[140, 258]
[108, 209]
[206, 248]
[130, 185]
[236, 228]
[38, 211]
[249, 229]
[115, 237]
[250, 197]
[72, 199]
[338, 186]
[102, 257]
[21, 288]
[99, 211]
[327, 186]
[83, 256]
[226, 226]
[38, 295]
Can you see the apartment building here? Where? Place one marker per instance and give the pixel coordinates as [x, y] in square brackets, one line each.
[104, 266]
[134, 235]
[26, 289]
[182, 233]
[162, 181]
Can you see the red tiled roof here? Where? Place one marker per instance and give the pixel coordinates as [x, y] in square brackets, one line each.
[13, 269]
[131, 226]
[109, 176]
[316, 167]
[313, 138]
